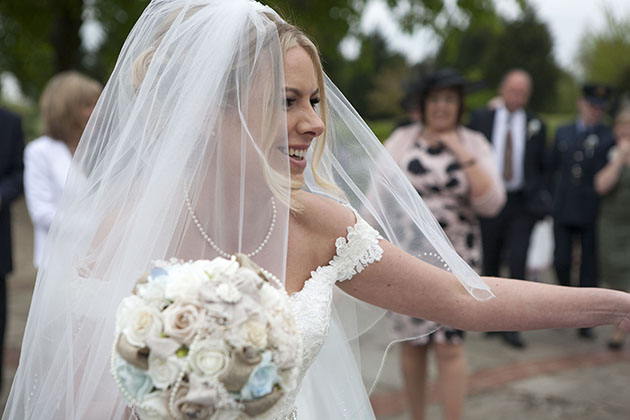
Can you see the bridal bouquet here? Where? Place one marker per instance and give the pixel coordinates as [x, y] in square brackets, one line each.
[205, 340]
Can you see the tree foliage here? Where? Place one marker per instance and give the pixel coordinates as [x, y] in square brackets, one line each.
[605, 55]
[39, 38]
[486, 50]
[372, 80]
[328, 22]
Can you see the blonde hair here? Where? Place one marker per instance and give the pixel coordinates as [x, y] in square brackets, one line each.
[292, 37]
[62, 103]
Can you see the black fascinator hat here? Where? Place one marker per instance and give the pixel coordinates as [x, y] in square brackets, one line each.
[443, 78]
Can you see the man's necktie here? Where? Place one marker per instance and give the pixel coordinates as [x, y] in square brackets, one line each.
[507, 152]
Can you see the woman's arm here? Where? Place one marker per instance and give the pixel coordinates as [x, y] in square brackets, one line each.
[476, 156]
[38, 184]
[608, 176]
[405, 284]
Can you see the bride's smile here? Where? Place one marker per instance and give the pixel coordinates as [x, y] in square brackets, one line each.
[302, 96]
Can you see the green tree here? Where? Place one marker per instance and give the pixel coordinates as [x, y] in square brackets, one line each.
[363, 78]
[605, 55]
[40, 38]
[328, 22]
[486, 50]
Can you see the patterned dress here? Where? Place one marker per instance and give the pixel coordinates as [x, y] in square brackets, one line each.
[442, 183]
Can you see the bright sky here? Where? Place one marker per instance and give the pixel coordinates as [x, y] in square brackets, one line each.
[567, 20]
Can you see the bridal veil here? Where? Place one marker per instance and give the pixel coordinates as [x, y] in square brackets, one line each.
[185, 157]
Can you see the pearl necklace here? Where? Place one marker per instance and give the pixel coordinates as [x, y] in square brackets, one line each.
[215, 246]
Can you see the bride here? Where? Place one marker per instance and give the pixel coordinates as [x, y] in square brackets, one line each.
[219, 133]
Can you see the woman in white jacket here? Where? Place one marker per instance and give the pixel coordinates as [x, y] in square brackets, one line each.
[65, 107]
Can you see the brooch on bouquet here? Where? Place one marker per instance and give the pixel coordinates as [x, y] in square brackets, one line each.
[206, 340]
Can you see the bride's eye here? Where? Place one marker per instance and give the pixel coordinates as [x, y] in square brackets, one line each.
[314, 102]
[288, 102]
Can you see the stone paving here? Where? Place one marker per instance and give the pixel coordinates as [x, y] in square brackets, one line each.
[558, 376]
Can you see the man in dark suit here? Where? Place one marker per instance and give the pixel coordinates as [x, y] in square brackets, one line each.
[518, 138]
[580, 150]
[11, 168]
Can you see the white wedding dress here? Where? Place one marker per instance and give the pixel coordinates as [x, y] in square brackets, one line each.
[313, 308]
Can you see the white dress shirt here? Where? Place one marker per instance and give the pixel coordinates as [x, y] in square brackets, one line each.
[518, 131]
[46, 165]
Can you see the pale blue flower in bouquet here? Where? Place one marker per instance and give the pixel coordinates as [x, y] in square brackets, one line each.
[262, 379]
[134, 380]
[158, 272]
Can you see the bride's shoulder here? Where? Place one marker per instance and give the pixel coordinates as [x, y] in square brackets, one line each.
[325, 216]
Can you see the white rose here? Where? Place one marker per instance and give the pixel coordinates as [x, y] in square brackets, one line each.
[218, 266]
[185, 282]
[183, 320]
[209, 358]
[227, 292]
[153, 294]
[137, 321]
[154, 407]
[164, 372]
[269, 296]
[255, 333]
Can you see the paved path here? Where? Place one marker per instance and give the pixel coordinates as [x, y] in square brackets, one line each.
[557, 377]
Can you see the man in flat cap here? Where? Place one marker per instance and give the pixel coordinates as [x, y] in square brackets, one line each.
[579, 152]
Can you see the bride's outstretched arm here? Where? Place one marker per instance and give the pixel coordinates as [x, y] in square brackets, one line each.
[402, 283]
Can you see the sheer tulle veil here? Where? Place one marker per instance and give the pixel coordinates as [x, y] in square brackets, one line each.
[185, 156]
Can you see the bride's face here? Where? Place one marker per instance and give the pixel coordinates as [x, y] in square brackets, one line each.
[301, 99]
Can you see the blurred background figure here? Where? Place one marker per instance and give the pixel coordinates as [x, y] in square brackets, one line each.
[11, 169]
[65, 105]
[580, 151]
[518, 138]
[613, 183]
[410, 103]
[453, 168]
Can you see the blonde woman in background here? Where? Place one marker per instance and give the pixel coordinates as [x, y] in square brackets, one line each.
[65, 106]
[613, 183]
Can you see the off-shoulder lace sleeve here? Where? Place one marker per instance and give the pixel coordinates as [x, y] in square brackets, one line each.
[355, 252]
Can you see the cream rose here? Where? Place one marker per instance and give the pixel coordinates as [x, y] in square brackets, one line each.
[137, 321]
[208, 358]
[164, 372]
[182, 320]
[256, 333]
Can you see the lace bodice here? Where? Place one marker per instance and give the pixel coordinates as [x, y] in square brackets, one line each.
[313, 304]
